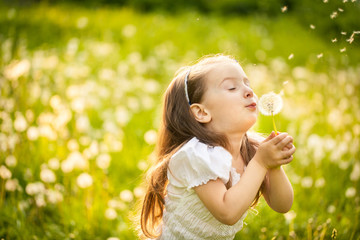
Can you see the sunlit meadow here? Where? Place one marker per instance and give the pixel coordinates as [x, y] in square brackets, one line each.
[80, 100]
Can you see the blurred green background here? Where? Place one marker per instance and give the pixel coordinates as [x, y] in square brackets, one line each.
[80, 99]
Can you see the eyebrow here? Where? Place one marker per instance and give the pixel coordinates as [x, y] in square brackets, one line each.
[245, 79]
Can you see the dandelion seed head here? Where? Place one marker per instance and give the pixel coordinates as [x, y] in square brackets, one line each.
[47, 176]
[11, 161]
[103, 161]
[110, 214]
[270, 103]
[350, 192]
[126, 195]
[84, 180]
[333, 15]
[5, 173]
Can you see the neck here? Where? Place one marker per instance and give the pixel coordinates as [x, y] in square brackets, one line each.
[235, 141]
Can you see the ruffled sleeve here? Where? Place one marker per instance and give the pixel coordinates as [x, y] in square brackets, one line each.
[196, 163]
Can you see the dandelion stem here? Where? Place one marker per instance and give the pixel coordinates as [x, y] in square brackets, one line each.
[272, 115]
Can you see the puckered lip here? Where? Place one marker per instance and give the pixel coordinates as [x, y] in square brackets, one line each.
[253, 104]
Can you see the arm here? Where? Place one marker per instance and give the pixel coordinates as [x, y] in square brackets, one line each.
[228, 205]
[278, 191]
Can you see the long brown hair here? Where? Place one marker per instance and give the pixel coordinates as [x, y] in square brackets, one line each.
[177, 127]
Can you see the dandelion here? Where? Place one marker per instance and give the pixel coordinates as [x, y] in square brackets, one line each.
[20, 123]
[48, 176]
[307, 182]
[4, 172]
[54, 196]
[150, 137]
[139, 192]
[32, 133]
[17, 69]
[11, 185]
[110, 214]
[355, 174]
[11, 161]
[291, 56]
[270, 104]
[103, 161]
[84, 180]
[350, 192]
[35, 188]
[126, 195]
[312, 26]
[284, 9]
[331, 209]
[320, 55]
[54, 163]
[82, 22]
[333, 15]
[289, 216]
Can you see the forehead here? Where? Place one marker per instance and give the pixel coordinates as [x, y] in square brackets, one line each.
[220, 71]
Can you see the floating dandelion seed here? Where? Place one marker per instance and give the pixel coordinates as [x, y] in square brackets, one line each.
[351, 39]
[334, 40]
[270, 104]
[284, 9]
[343, 49]
[325, 1]
[333, 15]
[343, 33]
[345, 1]
[320, 55]
[341, 10]
[312, 26]
[291, 56]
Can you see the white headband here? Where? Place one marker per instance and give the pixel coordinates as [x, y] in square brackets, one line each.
[186, 86]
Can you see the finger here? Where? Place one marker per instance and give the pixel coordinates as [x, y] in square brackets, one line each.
[287, 140]
[287, 160]
[288, 153]
[271, 136]
[278, 138]
[288, 146]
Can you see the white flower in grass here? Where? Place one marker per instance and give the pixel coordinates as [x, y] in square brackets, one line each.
[11, 185]
[84, 180]
[103, 161]
[54, 163]
[150, 137]
[11, 161]
[35, 188]
[20, 123]
[270, 104]
[32, 133]
[4, 172]
[126, 196]
[47, 176]
[54, 196]
[110, 214]
[350, 192]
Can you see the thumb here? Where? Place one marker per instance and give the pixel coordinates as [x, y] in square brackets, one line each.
[271, 136]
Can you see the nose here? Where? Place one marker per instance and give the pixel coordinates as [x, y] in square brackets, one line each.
[248, 93]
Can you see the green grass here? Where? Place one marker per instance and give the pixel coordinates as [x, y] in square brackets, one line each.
[104, 64]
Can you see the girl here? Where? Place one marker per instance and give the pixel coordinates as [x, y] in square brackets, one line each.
[195, 190]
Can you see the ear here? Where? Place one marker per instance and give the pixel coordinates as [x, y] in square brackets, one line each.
[200, 113]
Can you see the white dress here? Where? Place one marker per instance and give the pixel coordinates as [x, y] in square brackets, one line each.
[185, 216]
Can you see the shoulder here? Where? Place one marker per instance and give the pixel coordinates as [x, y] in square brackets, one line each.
[196, 163]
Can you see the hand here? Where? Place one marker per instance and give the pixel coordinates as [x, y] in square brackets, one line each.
[275, 150]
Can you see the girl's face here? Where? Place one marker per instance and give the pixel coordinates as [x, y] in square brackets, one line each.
[228, 99]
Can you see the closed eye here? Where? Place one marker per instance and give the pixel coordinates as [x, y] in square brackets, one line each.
[231, 89]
